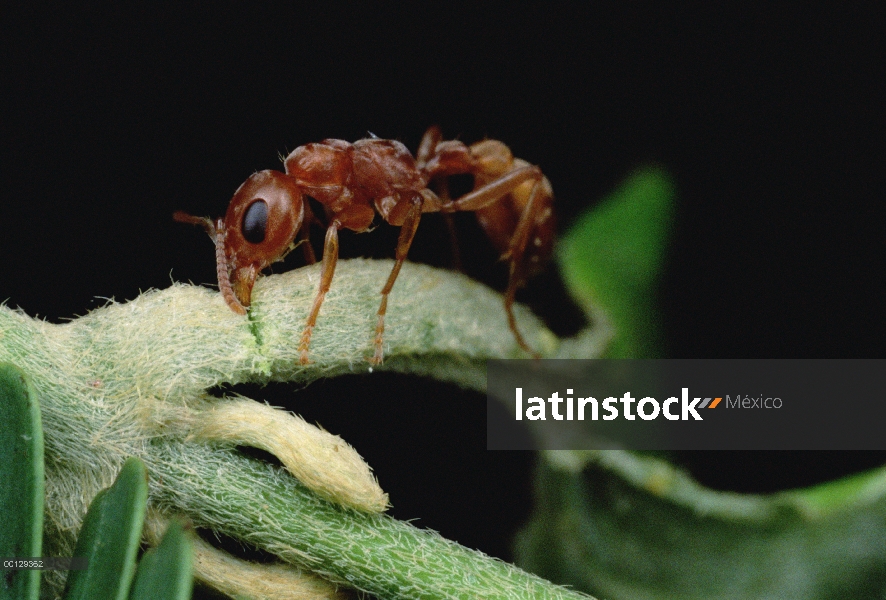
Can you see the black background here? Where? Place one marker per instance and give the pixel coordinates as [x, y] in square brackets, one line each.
[114, 118]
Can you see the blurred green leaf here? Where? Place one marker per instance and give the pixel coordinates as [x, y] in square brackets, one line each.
[110, 537]
[625, 526]
[612, 260]
[844, 492]
[21, 481]
[167, 570]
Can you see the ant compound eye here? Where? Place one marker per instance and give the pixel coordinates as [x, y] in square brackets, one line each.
[255, 222]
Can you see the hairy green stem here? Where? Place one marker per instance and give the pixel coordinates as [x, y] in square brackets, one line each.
[373, 552]
[131, 379]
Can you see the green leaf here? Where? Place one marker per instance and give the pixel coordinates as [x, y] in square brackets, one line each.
[628, 526]
[21, 481]
[625, 526]
[167, 570]
[847, 491]
[612, 260]
[110, 537]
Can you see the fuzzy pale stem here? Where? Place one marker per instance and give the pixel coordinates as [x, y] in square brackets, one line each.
[322, 461]
[130, 380]
[375, 553]
[239, 578]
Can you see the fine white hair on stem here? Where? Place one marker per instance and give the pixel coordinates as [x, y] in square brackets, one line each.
[322, 461]
[157, 355]
[237, 577]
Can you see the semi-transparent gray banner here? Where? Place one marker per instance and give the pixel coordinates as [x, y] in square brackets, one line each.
[718, 404]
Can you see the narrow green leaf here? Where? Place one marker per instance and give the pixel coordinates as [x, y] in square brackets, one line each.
[167, 570]
[110, 537]
[21, 481]
[612, 259]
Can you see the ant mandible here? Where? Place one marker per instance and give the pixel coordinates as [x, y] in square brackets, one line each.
[512, 199]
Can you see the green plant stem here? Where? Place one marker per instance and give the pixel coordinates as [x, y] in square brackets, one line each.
[117, 382]
[375, 553]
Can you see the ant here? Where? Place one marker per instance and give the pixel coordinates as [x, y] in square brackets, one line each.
[512, 199]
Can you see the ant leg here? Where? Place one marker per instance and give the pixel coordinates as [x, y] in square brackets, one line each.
[494, 190]
[304, 240]
[407, 233]
[427, 146]
[458, 163]
[516, 249]
[453, 243]
[443, 193]
[330, 258]
[304, 235]
[515, 256]
[442, 197]
[539, 198]
[509, 310]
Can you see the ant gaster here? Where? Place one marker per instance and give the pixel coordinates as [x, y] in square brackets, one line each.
[512, 199]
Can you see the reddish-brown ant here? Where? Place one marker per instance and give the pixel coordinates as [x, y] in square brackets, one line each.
[513, 201]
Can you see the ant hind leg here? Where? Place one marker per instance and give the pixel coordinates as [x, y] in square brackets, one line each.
[533, 206]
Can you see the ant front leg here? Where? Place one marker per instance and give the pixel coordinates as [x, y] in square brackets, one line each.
[407, 234]
[330, 259]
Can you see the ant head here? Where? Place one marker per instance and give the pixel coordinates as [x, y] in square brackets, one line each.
[263, 218]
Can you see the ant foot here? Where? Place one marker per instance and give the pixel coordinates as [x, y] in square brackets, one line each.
[377, 358]
[304, 345]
